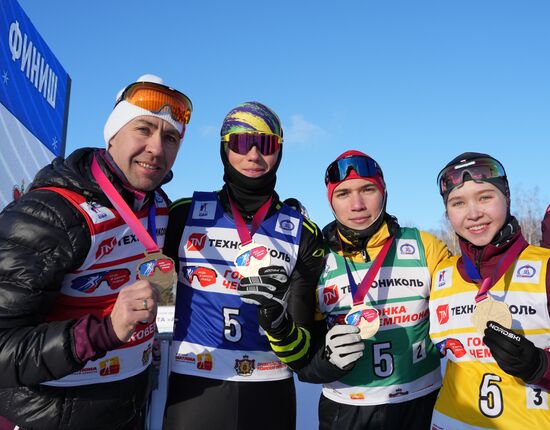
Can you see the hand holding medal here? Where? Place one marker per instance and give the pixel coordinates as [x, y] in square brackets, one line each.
[135, 304]
[515, 354]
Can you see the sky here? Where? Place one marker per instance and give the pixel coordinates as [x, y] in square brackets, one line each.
[411, 83]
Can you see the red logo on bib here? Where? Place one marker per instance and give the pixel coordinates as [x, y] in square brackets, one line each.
[330, 294]
[105, 247]
[196, 242]
[442, 312]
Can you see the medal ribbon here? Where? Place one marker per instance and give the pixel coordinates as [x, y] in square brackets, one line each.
[126, 213]
[501, 268]
[359, 292]
[244, 235]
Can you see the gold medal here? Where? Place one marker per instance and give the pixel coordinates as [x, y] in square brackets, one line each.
[366, 318]
[491, 310]
[251, 258]
[158, 269]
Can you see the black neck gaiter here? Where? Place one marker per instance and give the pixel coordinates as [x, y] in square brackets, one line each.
[360, 238]
[507, 232]
[249, 194]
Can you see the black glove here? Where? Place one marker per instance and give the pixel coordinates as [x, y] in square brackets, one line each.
[514, 353]
[269, 290]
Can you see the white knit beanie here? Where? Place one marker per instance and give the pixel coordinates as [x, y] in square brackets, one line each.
[125, 112]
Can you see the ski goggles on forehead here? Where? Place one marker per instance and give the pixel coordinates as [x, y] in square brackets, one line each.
[365, 167]
[157, 97]
[478, 170]
[242, 143]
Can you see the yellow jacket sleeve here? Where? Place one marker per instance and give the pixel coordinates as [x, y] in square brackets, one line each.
[436, 251]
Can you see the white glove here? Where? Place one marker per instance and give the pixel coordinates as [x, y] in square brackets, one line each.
[344, 346]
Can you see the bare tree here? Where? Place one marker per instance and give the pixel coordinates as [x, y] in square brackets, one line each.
[527, 208]
[446, 233]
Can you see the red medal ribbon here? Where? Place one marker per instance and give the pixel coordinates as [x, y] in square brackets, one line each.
[244, 235]
[365, 285]
[122, 207]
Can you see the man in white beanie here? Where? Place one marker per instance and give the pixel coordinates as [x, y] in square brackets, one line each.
[80, 268]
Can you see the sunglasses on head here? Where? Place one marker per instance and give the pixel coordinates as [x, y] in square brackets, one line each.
[156, 97]
[365, 167]
[242, 143]
[478, 170]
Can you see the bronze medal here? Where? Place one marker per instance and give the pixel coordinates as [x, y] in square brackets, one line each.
[158, 269]
[366, 318]
[491, 310]
[251, 258]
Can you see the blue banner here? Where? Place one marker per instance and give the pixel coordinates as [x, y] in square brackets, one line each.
[34, 87]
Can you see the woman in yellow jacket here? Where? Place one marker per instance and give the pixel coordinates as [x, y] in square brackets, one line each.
[489, 307]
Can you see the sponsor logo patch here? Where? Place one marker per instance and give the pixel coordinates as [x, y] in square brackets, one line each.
[105, 247]
[397, 393]
[287, 225]
[330, 294]
[89, 283]
[244, 367]
[97, 213]
[111, 366]
[204, 209]
[204, 361]
[442, 313]
[185, 358]
[407, 249]
[204, 275]
[453, 345]
[270, 365]
[527, 272]
[357, 396]
[196, 242]
[444, 278]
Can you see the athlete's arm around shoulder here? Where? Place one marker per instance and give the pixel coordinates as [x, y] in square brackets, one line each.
[42, 237]
[436, 251]
[293, 342]
[306, 274]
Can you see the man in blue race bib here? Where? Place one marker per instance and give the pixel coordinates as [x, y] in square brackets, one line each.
[247, 268]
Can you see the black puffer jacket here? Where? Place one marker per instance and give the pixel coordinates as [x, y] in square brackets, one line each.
[42, 237]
